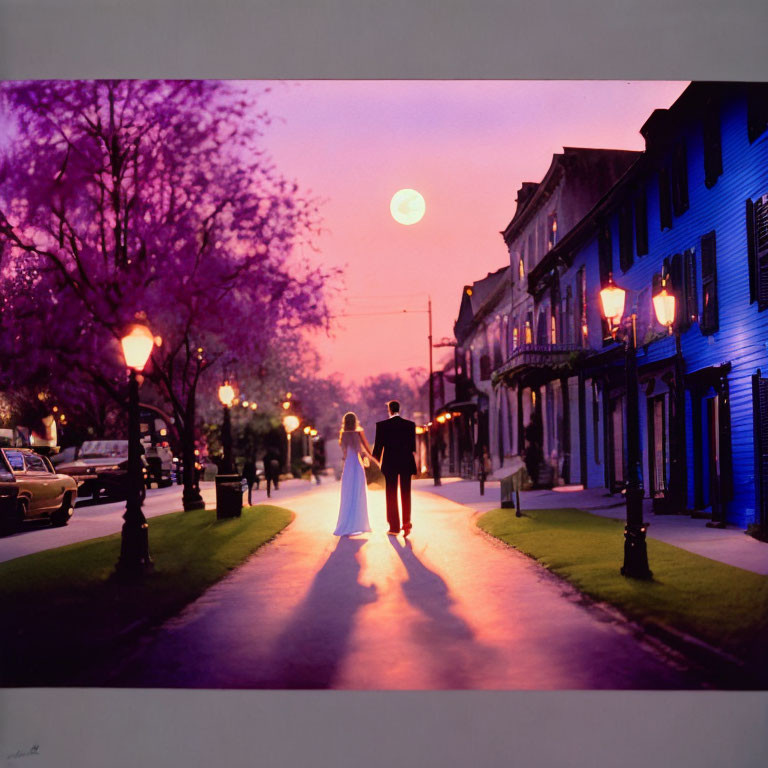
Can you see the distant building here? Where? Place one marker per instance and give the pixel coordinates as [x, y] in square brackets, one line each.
[533, 395]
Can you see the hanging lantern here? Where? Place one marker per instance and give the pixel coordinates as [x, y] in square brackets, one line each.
[664, 304]
[612, 298]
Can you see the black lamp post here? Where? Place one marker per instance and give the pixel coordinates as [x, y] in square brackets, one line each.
[134, 548]
[635, 548]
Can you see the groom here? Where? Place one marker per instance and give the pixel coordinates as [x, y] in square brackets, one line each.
[396, 437]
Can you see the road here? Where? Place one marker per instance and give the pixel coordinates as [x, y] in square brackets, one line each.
[449, 608]
[91, 521]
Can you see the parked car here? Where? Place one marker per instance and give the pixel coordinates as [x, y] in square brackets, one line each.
[160, 463]
[41, 491]
[9, 490]
[101, 468]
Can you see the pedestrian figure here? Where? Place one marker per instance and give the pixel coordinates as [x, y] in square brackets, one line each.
[395, 446]
[316, 467]
[485, 468]
[251, 477]
[272, 470]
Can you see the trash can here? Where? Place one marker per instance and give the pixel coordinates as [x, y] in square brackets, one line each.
[229, 496]
[510, 486]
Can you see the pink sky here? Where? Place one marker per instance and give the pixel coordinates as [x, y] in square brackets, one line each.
[466, 146]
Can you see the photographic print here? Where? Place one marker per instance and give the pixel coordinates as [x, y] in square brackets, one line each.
[381, 385]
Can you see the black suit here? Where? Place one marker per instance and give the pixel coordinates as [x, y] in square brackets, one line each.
[396, 439]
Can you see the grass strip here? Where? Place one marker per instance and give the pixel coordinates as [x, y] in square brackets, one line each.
[63, 610]
[725, 606]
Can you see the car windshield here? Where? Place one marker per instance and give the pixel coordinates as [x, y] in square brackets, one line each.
[104, 449]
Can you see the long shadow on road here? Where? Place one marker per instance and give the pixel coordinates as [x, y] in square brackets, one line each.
[456, 657]
[309, 651]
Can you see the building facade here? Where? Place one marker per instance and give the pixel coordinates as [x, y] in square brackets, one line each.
[535, 384]
[690, 215]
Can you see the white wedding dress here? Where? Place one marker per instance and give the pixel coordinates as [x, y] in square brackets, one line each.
[353, 510]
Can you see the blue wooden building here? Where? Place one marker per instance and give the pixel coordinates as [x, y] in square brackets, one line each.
[691, 211]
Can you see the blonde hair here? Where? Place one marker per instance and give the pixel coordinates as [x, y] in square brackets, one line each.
[348, 424]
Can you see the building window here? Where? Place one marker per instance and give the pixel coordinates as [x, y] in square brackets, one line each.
[485, 367]
[713, 153]
[641, 224]
[626, 253]
[529, 329]
[582, 329]
[521, 269]
[757, 242]
[691, 292]
[665, 201]
[709, 316]
[680, 179]
[551, 230]
[682, 272]
[757, 110]
[553, 328]
[515, 337]
[604, 252]
[541, 328]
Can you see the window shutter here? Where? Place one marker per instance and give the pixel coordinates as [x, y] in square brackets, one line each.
[665, 209]
[761, 252]
[605, 255]
[691, 294]
[760, 420]
[626, 255]
[713, 153]
[709, 314]
[757, 110]
[680, 180]
[677, 277]
[641, 224]
[751, 259]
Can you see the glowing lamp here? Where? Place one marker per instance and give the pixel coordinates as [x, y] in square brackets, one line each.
[313, 432]
[441, 419]
[448, 416]
[226, 394]
[137, 346]
[291, 423]
[245, 403]
[419, 430]
[286, 405]
[307, 430]
[664, 304]
[612, 298]
[254, 406]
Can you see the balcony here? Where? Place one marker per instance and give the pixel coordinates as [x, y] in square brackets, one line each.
[551, 357]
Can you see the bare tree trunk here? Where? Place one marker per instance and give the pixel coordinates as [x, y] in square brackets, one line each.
[191, 494]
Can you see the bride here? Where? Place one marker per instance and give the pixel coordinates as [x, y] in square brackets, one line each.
[353, 510]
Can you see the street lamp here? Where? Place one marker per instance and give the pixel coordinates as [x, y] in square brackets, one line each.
[134, 559]
[635, 549]
[291, 424]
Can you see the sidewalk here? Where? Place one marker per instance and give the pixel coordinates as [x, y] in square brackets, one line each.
[728, 545]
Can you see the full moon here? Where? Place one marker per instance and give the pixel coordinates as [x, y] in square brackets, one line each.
[407, 206]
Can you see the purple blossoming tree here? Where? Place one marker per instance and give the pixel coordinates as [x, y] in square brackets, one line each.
[126, 197]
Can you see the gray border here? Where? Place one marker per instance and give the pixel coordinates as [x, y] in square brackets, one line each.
[578, 39]
[653, 39]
